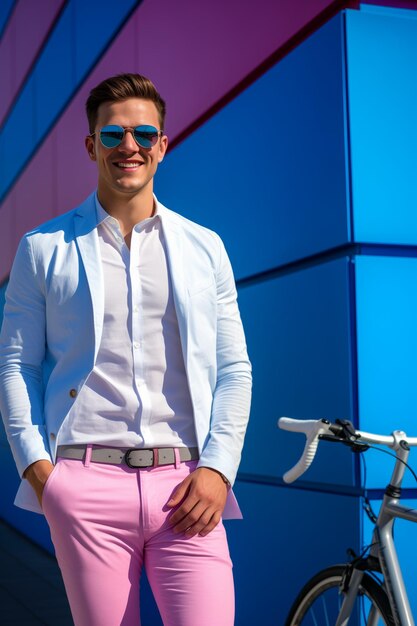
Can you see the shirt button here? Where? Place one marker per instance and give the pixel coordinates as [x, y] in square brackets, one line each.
[73, 393]
[136, 345]
[135, 309]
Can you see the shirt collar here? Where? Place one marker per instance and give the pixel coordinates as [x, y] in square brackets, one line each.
[102, 214]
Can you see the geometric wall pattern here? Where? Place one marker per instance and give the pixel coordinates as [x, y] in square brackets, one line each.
[305, 165]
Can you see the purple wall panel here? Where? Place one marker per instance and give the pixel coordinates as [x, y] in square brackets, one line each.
[24, 36]
[203, 49]
[35, 198]
[7, 240]
[190, 71]
[31, 202]
[75, 173]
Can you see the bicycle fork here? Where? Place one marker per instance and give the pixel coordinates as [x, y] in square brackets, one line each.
[352, 589]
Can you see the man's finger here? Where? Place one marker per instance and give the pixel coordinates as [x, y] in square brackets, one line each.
[188, 520]
[215, 519]
[201, 524]
[183, 510]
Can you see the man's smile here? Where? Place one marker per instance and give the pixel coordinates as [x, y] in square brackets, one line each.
[128, 165]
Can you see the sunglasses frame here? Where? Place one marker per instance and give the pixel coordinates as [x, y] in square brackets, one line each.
[129, 129]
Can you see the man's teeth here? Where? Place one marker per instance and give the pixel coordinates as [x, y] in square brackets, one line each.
[127, 165]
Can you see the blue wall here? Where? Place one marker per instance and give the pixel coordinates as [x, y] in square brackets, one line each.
[381, 61]
[387, 349]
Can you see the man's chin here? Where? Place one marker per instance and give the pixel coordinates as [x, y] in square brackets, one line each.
[129, 188]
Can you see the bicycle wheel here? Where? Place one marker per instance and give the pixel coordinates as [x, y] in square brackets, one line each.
[319, 602]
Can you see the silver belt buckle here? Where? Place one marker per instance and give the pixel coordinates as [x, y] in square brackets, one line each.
[127, 457]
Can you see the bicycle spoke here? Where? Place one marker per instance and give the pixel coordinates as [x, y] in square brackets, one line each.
[325, 611]
[315, 622]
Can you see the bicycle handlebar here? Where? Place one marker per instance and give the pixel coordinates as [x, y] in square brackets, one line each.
[312, 429]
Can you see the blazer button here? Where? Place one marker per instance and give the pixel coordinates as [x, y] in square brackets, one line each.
[53, 436]
[73, 393]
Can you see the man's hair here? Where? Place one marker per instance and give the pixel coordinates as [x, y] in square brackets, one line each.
[121, 87]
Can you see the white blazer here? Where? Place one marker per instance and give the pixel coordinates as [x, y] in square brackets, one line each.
[52, 325]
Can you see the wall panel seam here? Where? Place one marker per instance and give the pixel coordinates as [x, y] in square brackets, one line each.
[335, 489]
[345, 250]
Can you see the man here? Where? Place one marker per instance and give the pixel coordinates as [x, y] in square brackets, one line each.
[125, 383]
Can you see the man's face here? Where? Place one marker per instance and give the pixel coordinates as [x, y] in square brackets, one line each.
[128, 168]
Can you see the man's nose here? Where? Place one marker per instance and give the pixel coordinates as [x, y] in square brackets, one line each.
[128, 141]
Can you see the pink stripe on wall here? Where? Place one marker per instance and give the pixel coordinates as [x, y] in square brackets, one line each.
[194, 52]
[22, 39]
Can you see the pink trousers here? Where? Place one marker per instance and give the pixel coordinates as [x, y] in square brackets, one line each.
[107, 521]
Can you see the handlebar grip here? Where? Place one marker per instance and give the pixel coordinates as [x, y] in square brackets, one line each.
[304, 463]
[311, 429]
[298, 426]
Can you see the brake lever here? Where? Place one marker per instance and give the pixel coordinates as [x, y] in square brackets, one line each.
[355, 446]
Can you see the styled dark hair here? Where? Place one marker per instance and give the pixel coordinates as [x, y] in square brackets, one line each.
[121, 87]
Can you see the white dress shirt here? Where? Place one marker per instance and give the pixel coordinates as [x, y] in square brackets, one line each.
[137, 394]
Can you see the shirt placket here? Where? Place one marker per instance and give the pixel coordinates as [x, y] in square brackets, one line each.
[138, 330]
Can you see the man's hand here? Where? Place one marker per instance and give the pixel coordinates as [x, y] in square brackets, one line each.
[203, 497]
[37, 474]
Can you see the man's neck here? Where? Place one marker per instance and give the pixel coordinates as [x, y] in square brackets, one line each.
[128, 210]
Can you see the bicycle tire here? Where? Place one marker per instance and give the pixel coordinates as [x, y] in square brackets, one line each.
[305, 611]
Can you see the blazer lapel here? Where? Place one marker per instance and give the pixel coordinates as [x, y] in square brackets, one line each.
[85, 226]
[174, 242]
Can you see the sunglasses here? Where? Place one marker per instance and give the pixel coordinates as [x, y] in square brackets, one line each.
[145, 136]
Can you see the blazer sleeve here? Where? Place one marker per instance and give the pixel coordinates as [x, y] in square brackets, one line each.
[22, 351]
[232, 394]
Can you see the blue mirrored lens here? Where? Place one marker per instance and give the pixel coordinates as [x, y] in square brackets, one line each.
[146, 136]
[111, 136]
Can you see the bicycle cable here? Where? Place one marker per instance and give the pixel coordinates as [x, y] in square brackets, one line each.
[367, 506]
[396, 458]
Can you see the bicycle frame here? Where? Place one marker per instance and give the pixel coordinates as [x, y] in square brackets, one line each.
[391, 510]
[383, 549]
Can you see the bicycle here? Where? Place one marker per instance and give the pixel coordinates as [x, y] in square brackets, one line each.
[368, 590]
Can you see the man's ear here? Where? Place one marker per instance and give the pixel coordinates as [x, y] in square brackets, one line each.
[89, 144]
[162, 148]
